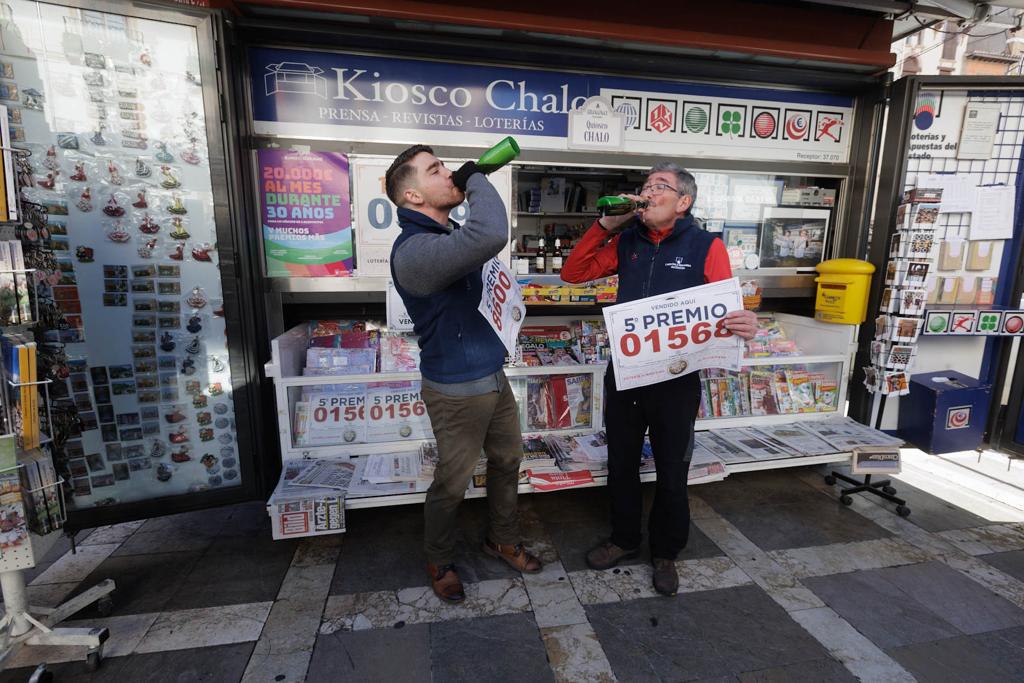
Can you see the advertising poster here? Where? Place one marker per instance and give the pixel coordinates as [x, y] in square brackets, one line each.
[304, 207]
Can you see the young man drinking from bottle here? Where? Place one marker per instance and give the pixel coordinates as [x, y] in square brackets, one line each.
[436, 266]
[655, 250]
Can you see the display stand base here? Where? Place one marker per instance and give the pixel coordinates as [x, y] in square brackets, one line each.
[20, 627]
[882, 489]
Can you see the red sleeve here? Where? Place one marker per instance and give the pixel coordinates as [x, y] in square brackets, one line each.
[592, 257]
[716, 265]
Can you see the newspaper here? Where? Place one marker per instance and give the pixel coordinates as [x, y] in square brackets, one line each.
[752, 444]
[847, 434]
[388, 467]
[332, 474]
[794, 439]
[723, 450]
[360, 488]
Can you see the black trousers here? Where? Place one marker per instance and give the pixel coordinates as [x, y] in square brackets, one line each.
[668, 411]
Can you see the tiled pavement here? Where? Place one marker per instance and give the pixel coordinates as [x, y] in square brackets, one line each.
[779, 583]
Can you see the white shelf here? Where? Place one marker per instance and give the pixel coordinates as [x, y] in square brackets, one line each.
[752, 466]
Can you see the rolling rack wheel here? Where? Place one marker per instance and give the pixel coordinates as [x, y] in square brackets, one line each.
[846, 500]
[41, 675]
[105, 605]
[94, 658]
[830, 480]
[890, 490]
[902, 511]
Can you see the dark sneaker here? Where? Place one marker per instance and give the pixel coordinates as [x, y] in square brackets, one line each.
[515, 555]
[666, 579]
[446, 583]
[607, 555]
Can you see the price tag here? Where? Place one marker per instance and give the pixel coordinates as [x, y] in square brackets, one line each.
[395, 412]
[501, 303]
[666, 336]
[337, 417]
[398, 317]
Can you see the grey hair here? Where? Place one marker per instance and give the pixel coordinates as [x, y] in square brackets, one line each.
[685, 182]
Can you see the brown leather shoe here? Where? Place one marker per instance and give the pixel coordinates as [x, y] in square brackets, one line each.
[607, 555]
[446, 583]
[515, 555]
[666, 578]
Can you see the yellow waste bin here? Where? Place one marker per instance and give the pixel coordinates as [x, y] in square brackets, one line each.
[843, 291]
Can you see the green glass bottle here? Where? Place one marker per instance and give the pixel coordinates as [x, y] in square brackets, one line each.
[497, 156]
[618, 206]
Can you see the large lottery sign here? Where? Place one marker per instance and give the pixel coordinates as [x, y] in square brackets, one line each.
[367, 413]
[501, 302]
[666, 336]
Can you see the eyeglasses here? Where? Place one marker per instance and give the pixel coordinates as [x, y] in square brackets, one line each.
[656, 188]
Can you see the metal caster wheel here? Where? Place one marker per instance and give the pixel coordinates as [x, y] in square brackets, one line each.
[41, 675]
[902, 511]
[105, 605]
[830, 480]
[93, 659]
[846, 500]
[890, 490]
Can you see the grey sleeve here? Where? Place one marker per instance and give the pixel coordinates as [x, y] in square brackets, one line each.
[428, 263]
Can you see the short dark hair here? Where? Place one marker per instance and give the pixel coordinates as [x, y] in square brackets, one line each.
[400, 172]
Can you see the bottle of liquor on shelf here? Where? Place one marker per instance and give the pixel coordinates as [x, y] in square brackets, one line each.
[540, 259]
[556, 257]
[618, 206]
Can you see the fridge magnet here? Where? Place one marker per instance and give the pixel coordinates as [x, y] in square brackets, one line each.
[208, 460]
[145, 367]
[989, 322]
[168, 180]
[163, 270]
[180, 436]
[9, 91]
[120, 471]
[84, 254]
[6, 70]
[108, 433]
[97, 137]
[222, 423]
[227, 452]
[204, 418]
[113, 300]
[215, 480]
[167, 363]
[190, 156]
[1013, 322]
[194, 347]
[162, 155]
[142, 169]
[221, 408]
[105, 413]
[114, 174]
[175, 415]
[202, 252]
[50, 161]
[188, 367]
[181, 455]
[192, 387]
[215, 389]
[94, 79]
[143, 337]
[176, 206]
[115, 285]
[178, 254]
[14, 115]
[167, 343]
[195, 324]
[169, 394]
[169, 306]
[168, 379]
[157, 449]
[78, 468]
[164, 472]
[132, 143]
[102, 480]
[95, 60]
[168, 322]
[113, 208]
[206, 434]
[116, 233]
[143, 270]
[962, 322]
[179, 232]
[49, 182]
[140, 202]
[145, 250]
[199, 401]
[131, 434]
[197, 298]
[143, 352]
[172, 287]
[67, 140]
[123, 388]
[216, 364]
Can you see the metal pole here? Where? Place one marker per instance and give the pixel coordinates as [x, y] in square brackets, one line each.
[15, 600]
